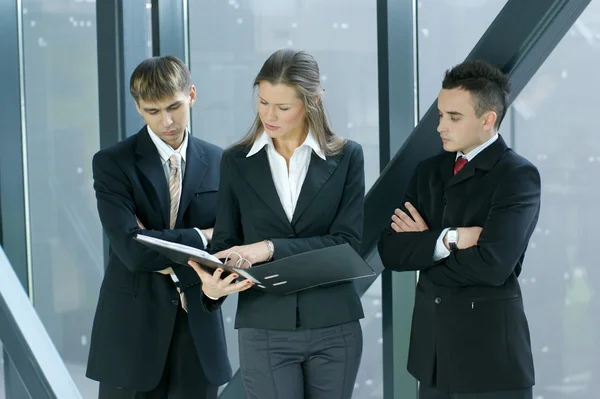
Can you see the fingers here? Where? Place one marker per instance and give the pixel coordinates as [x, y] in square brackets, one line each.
[241, 286]
[403, 221]
[415, 214]
[229, 279]
[396, 228]
[221, 254]
[204, 276]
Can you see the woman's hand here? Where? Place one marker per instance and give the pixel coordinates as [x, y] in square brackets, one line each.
[252, 253]
[216, 287]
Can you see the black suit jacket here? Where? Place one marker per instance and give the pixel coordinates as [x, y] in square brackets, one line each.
[469, 331]
[329, 211]
[137, 307]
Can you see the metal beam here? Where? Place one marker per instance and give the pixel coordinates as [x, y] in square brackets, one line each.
[26, 341]
[14, 213]
[170, 28]
[398, 115]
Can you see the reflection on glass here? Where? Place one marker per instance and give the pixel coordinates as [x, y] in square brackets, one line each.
[229, 41]
[555, 128]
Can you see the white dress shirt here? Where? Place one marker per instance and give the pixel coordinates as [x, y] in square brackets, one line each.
[165, 151]
[288, 183]
[440, 252]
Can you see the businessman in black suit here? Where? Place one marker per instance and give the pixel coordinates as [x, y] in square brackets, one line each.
[161, 182]
[468, 217]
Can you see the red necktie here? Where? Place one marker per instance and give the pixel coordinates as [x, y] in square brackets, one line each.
[459, 164]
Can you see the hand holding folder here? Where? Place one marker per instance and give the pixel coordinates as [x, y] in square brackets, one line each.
[295, 273]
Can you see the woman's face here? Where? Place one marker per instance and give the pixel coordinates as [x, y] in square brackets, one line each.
[280, 110]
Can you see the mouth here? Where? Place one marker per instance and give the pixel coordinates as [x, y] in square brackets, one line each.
[170, 133]
[271, 127]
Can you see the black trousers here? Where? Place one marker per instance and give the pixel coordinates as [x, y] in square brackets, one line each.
[432, 393]
[319, 363]
[183, 377]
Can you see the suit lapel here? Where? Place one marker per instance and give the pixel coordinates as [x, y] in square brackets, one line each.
[195, 170]
[319, 171]
[483, 161]
[149, 163]
[257, 172]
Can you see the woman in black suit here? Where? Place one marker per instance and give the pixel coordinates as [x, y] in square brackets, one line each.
[290, 186]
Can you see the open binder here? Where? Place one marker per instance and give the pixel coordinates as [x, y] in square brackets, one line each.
[283, 276]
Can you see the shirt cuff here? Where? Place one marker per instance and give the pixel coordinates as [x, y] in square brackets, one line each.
[204, 240]
[210, 297]
[440, 252]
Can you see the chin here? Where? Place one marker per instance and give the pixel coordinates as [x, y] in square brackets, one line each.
[448, 147]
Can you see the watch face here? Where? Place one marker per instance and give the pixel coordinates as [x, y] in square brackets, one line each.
[452, 236]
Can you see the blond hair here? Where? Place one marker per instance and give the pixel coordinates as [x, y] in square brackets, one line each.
[159, 78]
[299, 70]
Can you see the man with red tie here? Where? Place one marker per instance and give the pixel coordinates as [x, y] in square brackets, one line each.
[465, 225]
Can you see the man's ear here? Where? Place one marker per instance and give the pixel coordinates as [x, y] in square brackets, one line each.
[192, 95]
[489, 120]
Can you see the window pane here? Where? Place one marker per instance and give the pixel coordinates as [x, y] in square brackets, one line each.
[448, 31]
[61, 99]
[229, 42]
[555, 128]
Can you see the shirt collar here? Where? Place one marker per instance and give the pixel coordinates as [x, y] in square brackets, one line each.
[266, 140]
[477, 150]
[164, 150]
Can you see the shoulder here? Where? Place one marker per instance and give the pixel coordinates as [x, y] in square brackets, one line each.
[236, 151]
[208, 148]
[514, 165]
[123, 150]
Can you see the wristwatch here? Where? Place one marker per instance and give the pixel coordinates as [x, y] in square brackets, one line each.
[452, 237]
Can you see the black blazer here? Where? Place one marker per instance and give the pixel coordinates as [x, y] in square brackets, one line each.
[136, 310]
[329, 212]
[469, 331]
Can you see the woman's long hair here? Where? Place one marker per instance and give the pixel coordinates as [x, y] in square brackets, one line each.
[299, 70]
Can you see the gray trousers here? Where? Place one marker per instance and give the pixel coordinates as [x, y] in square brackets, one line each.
[319, 363]
[432, 393]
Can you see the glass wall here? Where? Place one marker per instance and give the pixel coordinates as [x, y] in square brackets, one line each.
[230, 40]
[554, 127]
[448, 31]
[61, 109]
[2, 386]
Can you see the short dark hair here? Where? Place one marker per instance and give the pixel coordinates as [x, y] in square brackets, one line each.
[487, 84]
[159, 78]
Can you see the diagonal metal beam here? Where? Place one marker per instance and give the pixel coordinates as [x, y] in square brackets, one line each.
[518, 41]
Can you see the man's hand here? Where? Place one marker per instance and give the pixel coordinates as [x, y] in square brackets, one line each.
[216, 287]
[402, 223]
[467, 237]
[252, 253]
[208, 233]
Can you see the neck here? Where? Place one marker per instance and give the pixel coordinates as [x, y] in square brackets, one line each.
[287, 145]
[482, 140]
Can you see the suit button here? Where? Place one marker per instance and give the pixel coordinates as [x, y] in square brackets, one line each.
[438, 300]
[175, 302]
[291, 236]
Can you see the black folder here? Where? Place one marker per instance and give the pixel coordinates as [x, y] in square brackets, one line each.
[284, 276]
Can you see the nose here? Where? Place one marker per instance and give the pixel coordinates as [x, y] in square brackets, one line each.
[441, 127]
[167, 119]
[271, 115]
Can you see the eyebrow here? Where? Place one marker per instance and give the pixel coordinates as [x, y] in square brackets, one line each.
[275, 104]
[148, 109]
[451, 112]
